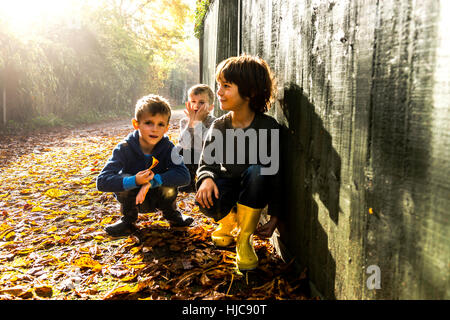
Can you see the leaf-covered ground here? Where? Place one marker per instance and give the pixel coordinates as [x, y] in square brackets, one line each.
[53, 244]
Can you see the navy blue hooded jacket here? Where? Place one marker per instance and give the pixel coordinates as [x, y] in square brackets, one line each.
[128, 159]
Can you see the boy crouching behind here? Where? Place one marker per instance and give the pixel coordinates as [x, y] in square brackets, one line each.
[127, 173]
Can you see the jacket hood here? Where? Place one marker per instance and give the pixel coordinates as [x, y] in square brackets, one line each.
[133, 142]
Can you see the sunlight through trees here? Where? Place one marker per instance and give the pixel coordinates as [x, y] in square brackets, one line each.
[78, 61]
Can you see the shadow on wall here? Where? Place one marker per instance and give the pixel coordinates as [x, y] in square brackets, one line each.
[311, 174]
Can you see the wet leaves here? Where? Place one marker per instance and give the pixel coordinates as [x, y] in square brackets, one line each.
[53, 244]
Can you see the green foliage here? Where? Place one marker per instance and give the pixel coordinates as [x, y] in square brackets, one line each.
[202, 7]
[50, 120]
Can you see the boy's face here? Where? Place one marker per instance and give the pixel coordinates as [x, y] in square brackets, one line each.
[151, 129]
[199, 100]
[229, 97]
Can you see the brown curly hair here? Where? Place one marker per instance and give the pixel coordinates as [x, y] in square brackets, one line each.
[253, 77]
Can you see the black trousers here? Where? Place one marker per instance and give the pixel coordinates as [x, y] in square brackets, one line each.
[162, 198]
[252, 190]
[191, 159]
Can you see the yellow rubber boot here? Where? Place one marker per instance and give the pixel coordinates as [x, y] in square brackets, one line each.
[248, 218]
[222, 236]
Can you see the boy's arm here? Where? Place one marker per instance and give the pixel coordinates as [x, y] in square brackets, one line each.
[109, 179]
[206, 125]
[186, 134]
[177, 174]
[192, 138]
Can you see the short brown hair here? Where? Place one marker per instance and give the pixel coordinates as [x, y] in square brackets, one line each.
[253, 77]
[152, 104]
[202, 88]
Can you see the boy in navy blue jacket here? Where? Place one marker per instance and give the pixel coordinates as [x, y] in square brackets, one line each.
[127, 173]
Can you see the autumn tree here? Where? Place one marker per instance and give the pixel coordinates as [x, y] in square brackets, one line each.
[92, 63]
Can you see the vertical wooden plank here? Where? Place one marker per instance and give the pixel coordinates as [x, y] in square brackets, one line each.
[365, 18]
[401, 144]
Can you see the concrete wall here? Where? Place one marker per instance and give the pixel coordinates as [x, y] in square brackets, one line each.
[364, 99]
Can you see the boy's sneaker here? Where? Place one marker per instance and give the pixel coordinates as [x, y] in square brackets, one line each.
[177, 219]
[121, 229]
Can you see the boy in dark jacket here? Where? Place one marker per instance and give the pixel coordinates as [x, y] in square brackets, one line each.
[127, 173]
[236, 178]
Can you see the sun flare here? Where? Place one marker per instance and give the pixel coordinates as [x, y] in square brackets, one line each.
[22, 14]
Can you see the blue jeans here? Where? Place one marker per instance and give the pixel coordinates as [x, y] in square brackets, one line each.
[252, 190]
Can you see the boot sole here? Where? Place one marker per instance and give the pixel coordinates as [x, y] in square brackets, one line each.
[181, 224]
[246, 267]
[120, 234]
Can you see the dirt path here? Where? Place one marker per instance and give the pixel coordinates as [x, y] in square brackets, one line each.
[53, 244]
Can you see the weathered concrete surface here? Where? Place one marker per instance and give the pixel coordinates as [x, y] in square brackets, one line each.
[363, 95]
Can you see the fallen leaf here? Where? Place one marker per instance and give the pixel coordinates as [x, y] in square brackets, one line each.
[56, 193]
[43, 291]
[87, 262]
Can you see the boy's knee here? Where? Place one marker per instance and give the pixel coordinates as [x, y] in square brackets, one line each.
[126, 195]
[211, 212]
[168, 193]
[252, 176]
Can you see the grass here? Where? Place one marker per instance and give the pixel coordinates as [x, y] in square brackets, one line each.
[53, 121]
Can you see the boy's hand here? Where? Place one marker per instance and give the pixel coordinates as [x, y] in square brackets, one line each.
[142, 193]
[266, 230]
[202, 113]
[190, 113]
[144, 176]
[204, 193]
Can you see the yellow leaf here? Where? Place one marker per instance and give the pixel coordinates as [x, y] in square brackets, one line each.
[15, 291]
[75, 237]
[52, 229]
[135, 250]
[106, 220]
[154, 163]
[10, 236]
[130, 277]
[127, 289]
[25, 251]
[162, 223]
[86, 180]
[4, 226]
[135, 260]
[56, 193]
[87, 262]
[83, 214]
